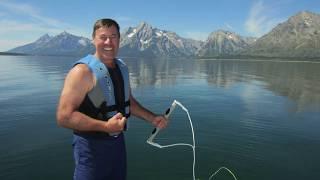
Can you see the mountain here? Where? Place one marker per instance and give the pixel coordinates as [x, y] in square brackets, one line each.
[144, 40]
[299, 36]
[224, 43]
[61, 44]
[32, 47]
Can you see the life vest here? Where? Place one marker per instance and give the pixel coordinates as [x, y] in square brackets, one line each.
[100, 102]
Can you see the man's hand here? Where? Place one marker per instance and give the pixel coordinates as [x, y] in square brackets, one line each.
[116, 123]
[160, 122]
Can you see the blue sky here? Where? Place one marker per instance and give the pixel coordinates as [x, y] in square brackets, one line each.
[23, 22]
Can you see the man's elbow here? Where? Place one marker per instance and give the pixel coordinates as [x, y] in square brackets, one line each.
[62, 118]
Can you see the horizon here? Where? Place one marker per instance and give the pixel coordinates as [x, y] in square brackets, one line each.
[25, 22]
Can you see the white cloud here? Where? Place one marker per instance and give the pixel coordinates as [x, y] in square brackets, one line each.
[24, 23]
[261, 20]
[229, 27]
[23, 27]
[125, 21]
[9, 44]
[196, 35]
[123, 18]
[30, 11]
[17, 33]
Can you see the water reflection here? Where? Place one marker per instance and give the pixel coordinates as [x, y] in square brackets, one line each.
[295, 80]
[158, 72]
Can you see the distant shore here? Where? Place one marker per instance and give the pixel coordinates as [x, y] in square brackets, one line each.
[13, 54]
[230, 57]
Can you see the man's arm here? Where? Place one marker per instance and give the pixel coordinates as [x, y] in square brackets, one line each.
[79, 81]
[138, 110]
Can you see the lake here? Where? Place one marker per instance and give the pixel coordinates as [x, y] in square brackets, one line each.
[259, 118]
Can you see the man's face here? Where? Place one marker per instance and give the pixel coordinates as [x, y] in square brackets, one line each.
[107, 42]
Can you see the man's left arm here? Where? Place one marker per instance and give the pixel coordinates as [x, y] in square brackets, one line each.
[138, 110]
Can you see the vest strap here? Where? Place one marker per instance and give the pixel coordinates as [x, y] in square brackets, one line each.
[104, 109]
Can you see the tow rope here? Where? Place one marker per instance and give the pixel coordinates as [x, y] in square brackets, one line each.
[154, 133]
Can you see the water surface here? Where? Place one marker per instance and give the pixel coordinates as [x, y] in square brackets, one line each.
[258, 118]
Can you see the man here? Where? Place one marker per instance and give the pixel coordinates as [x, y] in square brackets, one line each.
[95, 103]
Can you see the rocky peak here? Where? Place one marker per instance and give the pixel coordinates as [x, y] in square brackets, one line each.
[144, 26]
[144, 39]
[223, 42]
[299, 36]
[305, 16]
[65, 35]
[222, 34]
[304, 20]
[43, 39]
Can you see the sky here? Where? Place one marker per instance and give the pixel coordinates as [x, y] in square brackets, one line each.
[24, 21]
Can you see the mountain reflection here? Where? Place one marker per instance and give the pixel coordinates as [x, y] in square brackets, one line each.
[296, 80]
[157, 72]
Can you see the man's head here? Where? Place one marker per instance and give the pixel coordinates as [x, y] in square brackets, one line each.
[106, 39]
[105, 23]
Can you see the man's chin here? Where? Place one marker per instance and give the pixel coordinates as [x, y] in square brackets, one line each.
[108, 56]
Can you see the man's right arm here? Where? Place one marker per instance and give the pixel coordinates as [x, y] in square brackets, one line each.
[79, 81]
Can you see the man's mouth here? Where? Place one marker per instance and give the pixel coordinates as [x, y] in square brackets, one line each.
[108, 49]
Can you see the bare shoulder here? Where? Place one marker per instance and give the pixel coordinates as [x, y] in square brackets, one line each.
[80, 75]
[80, 69]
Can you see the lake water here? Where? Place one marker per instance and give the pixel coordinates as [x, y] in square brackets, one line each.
[261, 119]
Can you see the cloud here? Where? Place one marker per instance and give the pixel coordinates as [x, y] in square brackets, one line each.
[17, 33]
[125, 21]
[4, 44]
[23, 27]
[196, 35]
[229, 27]
[123, 18]
[24, 23]
[261, 20]
[30, 12]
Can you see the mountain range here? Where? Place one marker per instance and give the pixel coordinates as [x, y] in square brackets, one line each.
[297, 37]
[144, 40]
[64, 44]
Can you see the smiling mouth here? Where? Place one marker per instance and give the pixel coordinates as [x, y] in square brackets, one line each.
[108, 49]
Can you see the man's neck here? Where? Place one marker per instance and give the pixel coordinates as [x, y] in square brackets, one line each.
[110, 63]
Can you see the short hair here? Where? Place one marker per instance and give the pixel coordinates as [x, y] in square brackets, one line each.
[105, 23]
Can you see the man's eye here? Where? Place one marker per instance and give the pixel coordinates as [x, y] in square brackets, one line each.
[104, 38]
[112, 36]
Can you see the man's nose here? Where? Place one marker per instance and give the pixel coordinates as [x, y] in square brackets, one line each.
[108, 40]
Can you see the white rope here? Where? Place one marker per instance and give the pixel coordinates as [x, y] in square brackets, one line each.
[193, 146]
[215, 173]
